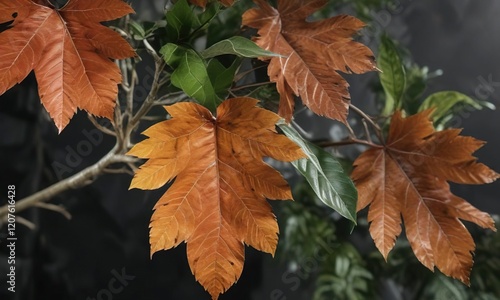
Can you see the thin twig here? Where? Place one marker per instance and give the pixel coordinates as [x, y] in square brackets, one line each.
[118, 171]
[78, 180]
[130, 93]
[132, 167]
[152, 51]
[152, 118]
[150, 99]
[117, 124]
[247, 72]
[122, 32]
[352, 134]
[242, 87]
[364, 115]
[302, 131]
[350, 141]
[367, 131]
[170, 98]
[99, 126]
[378, 131]
[25, 222]
[55, 208]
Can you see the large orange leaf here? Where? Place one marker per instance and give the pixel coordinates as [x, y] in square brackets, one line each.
[311, 54]
[217, 201]
[68, 49]
[409, 178]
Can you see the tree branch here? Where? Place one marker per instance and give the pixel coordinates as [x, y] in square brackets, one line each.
[80, 179]
[378, 130]
[123, 128]
[55, 208]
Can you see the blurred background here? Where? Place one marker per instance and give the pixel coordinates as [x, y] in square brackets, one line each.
[106, 238]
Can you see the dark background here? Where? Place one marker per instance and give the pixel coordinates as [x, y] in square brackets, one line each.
[75, 259]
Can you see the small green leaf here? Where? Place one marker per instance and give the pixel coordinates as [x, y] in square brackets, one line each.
[221, 77]
[236, 45]
[227, 23]
[151, 27]
[447, 103]
[208, 14]
[180, 20]
[326, 176]
[137, 31]
[393, 76]
[190, 74]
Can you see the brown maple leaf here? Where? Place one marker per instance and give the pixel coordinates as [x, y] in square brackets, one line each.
[311, 54]
[408, 178]
[68, 49]
[217, 201]
[203, 3]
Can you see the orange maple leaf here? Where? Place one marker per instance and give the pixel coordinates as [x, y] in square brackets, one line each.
[68, 49]
[217, 201]
[409, 177]
[311, 54]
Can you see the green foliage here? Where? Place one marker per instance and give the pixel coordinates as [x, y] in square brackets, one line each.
[236, 45]
[190, 74]
[312, 237]
[227, 23]
[345, 277]
[447, 104]
[405, 270]
[393, 75]
[404, 83]
[308, 234]
[326, 176]
[222, 77]
[180, 21]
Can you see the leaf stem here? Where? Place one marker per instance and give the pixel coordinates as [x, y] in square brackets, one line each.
[367, 130]
[242, 75]
[99, 126]
[350, 141]
[367, 118]
[246, 86]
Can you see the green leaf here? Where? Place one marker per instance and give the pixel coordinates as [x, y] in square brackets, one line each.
[146, 29]
[137, 30]
[448, 103]
[180, 20]
[227, 23]
[393, 76]
[416, 84]
[236, 45]
[326, 176]
[222, 77]
[190, 74]
[208, 14]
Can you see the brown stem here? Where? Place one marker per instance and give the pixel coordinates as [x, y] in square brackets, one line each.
[351, 141]
[241, 87]
[378, 130]
[78, 180]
